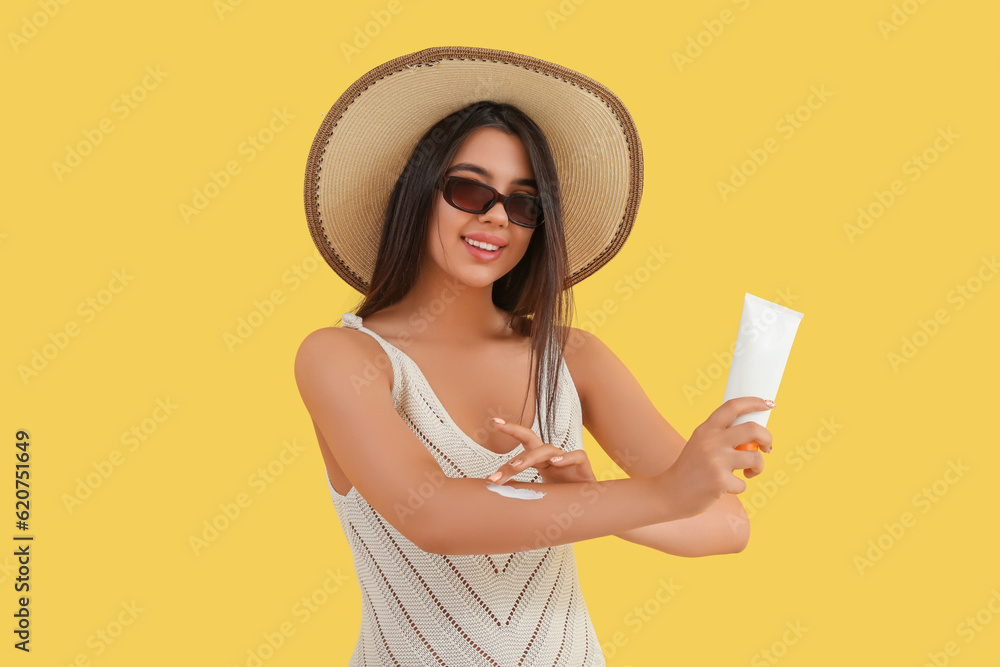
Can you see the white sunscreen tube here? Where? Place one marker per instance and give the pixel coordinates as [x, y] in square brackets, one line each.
[762, 346]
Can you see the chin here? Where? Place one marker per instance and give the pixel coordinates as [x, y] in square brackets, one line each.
[477, 281]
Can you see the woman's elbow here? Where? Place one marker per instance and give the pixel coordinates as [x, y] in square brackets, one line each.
[724, 544]
[736, 534]
[739, 542]
[414, 523]
[424, 524]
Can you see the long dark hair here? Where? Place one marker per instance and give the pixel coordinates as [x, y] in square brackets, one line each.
[534, 293]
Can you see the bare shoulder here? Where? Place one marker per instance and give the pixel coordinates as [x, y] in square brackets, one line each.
[323, 346]
[346, 391]
[617, 411]
[585, 351]
[337, 354]
[589, 361]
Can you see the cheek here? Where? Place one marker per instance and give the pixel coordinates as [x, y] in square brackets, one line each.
[433, 230]
[443, 219]
[526, 242]
[440, 232]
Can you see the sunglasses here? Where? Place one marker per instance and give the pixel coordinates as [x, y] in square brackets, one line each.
[472, 196]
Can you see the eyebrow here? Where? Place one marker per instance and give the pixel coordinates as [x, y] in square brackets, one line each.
[476, 169]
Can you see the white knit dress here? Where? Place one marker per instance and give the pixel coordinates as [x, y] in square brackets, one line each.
[422, 609]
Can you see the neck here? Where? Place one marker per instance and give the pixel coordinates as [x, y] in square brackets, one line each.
[443, 308]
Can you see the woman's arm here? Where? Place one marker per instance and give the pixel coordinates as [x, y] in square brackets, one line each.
[620, 416]
[722, 529]
[396, 474]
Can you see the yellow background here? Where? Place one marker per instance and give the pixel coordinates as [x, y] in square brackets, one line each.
[781, 234]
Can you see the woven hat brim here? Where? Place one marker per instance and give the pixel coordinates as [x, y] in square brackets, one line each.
[370, 132]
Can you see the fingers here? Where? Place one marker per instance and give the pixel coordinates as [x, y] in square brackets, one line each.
[525, 435]
[749, 432]
[735, 485]
[751, 462]
[536, 453]
[734, 407]
[538, 458]
[563, 459]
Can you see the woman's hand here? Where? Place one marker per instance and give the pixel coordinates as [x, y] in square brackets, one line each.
[552, 463]
[703, 471]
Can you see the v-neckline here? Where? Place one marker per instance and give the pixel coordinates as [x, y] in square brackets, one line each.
[440, 405]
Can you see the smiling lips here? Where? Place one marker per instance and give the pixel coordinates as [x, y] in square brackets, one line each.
[482, 249]
[482, 244]
[480, 253]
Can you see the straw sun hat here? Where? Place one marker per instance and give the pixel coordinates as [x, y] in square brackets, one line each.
[369, 133]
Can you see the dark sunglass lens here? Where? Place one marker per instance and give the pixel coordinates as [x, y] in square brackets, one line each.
[524, 209]
[471, 195]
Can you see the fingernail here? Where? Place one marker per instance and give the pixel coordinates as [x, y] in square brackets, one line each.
[499, 421]
[555, 459]
[516, 463]
[769, 403]
[495, 476]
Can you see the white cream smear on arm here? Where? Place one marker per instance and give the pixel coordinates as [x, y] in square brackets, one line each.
[514, 492]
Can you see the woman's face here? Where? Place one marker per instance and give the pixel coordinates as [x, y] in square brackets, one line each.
[500, 160]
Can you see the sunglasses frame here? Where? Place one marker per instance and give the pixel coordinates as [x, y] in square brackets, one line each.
[447, 186]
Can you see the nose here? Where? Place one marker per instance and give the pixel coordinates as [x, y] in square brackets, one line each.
[497, 215]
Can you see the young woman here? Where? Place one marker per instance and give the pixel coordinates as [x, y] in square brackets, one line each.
[449, 408]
